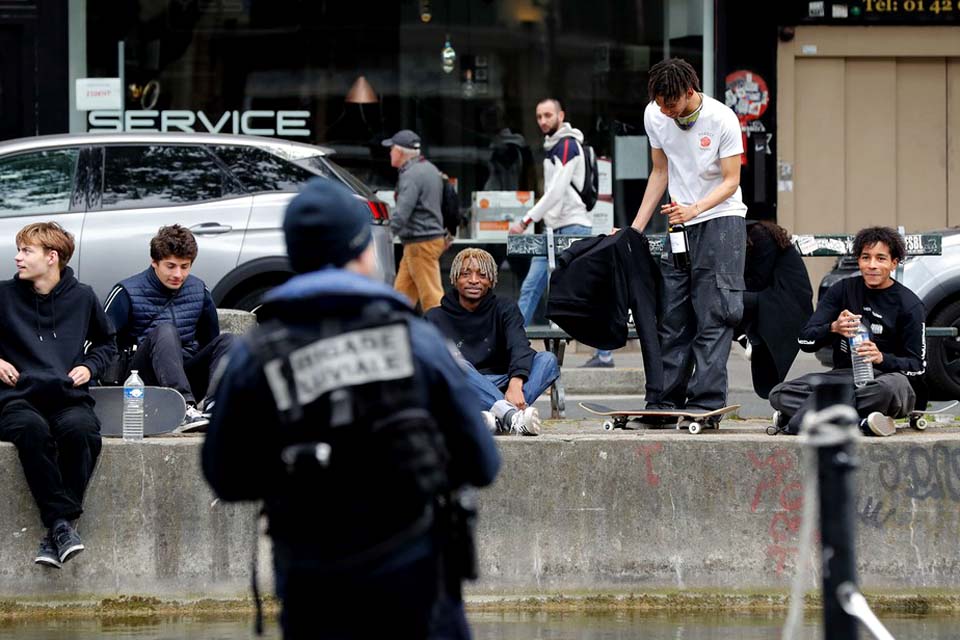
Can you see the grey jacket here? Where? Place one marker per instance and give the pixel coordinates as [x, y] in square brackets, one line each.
[417, 214]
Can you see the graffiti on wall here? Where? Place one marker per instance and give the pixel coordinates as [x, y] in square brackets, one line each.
[908, 480]
[784, 496]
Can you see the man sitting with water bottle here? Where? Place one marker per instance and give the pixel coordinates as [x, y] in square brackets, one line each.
[168, 317]
[877, 320]
[45, 407]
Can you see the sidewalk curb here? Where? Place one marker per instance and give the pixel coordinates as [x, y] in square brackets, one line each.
[591, 381]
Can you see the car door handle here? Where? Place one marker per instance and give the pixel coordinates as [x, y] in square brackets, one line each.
[210, 229]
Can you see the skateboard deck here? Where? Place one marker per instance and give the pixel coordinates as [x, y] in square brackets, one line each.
[620, 417]
[163, 410]
[919, 422]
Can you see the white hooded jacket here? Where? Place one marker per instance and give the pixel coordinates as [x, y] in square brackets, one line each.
[563, 170]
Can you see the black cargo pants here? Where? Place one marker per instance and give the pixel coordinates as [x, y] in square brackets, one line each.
[701, 306]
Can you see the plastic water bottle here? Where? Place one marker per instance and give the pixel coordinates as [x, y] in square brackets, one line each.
[133, 407]
[862, 368]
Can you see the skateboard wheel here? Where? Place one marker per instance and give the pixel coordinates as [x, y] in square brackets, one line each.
[920, 424]
[608, 425]
[694, 428]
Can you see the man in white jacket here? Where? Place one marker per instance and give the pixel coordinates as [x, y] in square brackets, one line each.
[561, 207]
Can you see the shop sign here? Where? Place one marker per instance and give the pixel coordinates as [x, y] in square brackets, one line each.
[258, 122]
[98, 93]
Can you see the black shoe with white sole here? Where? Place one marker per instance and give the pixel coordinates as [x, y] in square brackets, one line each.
[66, 539]
[47, 554]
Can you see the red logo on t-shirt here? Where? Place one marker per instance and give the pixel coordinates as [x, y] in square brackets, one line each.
[705, 142]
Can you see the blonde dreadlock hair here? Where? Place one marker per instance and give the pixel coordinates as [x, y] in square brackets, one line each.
[484, 261]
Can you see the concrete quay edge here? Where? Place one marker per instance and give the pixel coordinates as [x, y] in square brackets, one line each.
[575, 513]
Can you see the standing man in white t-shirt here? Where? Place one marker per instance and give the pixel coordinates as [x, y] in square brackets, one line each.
[696, 145]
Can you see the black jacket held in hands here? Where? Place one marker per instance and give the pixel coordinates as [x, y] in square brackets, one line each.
[596, 282]
[491, 338]
[43, 336]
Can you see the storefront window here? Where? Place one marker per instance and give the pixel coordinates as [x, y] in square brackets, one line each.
[465, 75]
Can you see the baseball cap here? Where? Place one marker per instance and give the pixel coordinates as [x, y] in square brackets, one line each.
[403, 138]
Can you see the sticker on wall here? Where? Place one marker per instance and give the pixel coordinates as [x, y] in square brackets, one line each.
[748, 96]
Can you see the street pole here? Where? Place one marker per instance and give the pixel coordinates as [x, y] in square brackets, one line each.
[833, 436]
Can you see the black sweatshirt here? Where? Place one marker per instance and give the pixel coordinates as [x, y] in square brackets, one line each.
[43, 336]
[895, 316]
[491, 338]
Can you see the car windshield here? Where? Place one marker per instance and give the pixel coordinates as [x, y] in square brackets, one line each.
[324, 166]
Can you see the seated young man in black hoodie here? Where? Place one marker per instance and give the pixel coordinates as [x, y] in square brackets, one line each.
[896, 349]
[46, 410]
[504, 371]
[169, 317]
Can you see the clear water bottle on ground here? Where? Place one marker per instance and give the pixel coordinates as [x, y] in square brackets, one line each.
[133, 407]
[862, 369]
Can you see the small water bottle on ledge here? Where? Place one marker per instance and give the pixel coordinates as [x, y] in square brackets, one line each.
[862, 368]
[133, 407]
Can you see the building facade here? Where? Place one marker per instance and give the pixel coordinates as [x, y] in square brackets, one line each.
[850, 110]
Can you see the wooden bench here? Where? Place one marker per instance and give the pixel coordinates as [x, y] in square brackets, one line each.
[550, 244]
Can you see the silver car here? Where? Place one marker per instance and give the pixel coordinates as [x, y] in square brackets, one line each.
[112, 191]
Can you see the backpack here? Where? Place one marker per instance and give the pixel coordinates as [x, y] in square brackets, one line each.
[449, 206]
[591, 177]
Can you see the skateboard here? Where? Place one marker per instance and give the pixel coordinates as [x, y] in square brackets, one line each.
[919, 422]
[163, 410]
[618, 418]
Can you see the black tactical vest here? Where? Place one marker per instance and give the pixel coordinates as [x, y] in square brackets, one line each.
[363, 458]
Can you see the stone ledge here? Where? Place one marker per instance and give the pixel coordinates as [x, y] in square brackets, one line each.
[590, 513]
[615, 381]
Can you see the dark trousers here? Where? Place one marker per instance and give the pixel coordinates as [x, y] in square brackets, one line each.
[58, 450]
[890, 394]
[700, 308]
[160, 360]
[400, 603]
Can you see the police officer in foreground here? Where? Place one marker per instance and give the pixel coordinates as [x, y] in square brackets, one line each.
[350, 419]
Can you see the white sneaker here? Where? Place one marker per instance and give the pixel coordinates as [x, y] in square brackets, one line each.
[490, 420]
[526, 422]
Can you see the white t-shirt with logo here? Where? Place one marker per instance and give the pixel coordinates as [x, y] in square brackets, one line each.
[694, 155]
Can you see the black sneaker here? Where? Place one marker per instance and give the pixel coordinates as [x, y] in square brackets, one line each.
[596, 363]
[47, 553]
[657, 422]
[66, 539]
[193, 421]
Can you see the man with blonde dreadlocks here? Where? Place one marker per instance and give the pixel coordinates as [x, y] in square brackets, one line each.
[506, 374]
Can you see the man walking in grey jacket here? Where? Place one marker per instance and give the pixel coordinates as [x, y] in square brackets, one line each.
[417, 221]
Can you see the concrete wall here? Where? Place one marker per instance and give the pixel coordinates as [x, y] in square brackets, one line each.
[570, 513]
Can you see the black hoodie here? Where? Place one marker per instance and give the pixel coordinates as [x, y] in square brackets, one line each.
[43, 336]
[491, 338]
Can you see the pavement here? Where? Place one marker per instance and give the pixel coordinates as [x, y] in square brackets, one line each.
[622, 386]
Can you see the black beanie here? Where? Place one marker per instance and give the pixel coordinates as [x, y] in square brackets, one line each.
[325, 224]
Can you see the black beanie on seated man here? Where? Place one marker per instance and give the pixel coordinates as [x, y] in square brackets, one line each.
[326, 225]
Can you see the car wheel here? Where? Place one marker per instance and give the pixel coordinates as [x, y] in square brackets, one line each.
[251, 300]
[943, 355]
